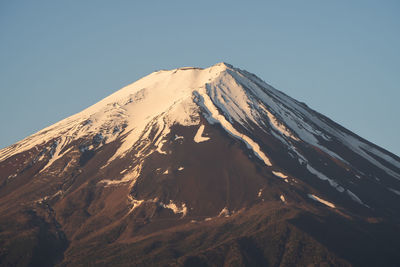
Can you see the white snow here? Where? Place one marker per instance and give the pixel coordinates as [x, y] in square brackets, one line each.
[279, 174]
[159, 147]
[198, 138]
[277, 125]
[307, 125]
[217, 117]
[325, 202]
[134, 202]
[224, 212]
[56, 154]
[178, 137]
[322, 176]
[259, 194]
[45, 198]
[354, 197]
[165, 172]
[282, 197]
[180, 168]
[12, 176]
[130, 177]
[177, 209]
[166, 94]
[397, 192]
[232, 97]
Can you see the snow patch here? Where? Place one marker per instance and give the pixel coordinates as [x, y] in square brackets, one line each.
[198, 138]
[134, 202]
[159, 147]
[322, 176]
[278, 126]
[282, 197]
[279, 174]
[130, 178]
[397, 192]
[325, 202]
[177, 137]
[224, 212]
[217, 117]
[12, 176]
[46, 198]
[54, 154]
[259, 194]
[181, 209]
[354, 197]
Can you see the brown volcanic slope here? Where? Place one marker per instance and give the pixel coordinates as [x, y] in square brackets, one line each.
[198, 167]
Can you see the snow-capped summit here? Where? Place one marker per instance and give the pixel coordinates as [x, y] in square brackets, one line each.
[225, 94]
[131, 107]
[192, 147]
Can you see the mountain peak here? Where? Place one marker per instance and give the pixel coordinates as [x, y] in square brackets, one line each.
[181, 96]
[223, 65]
[218, 66]
[195, 159]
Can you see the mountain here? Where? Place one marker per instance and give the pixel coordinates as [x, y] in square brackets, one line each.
[198, 167]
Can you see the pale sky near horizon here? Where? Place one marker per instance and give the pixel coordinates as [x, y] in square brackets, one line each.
[342, 58]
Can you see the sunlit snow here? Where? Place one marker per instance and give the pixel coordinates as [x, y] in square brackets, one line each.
[224, 212]
[259, 194]
[177, 209]
[198, 138]
[325, 202]
[231, 97]
[279, 174]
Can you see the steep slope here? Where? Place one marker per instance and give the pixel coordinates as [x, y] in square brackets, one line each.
[198, 167]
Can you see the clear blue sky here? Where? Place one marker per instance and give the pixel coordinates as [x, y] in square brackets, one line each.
[342, 58]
